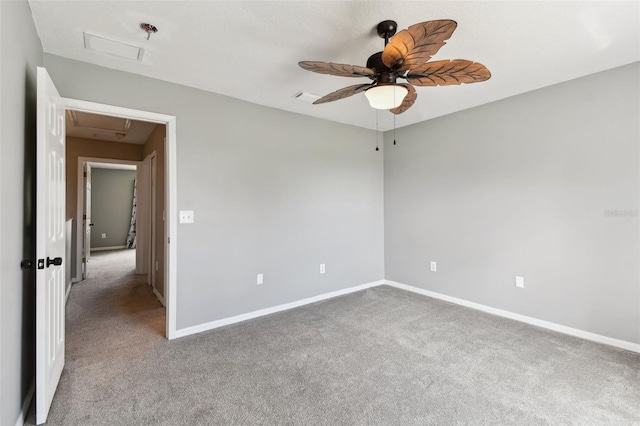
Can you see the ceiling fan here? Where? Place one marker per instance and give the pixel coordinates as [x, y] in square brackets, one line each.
[404, 56]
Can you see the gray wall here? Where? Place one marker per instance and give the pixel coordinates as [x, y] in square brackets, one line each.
[111, 202]
[522, 187]
[21, 54]
[273, 192]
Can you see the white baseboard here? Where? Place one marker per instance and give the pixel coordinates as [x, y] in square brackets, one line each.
[506, 314]
[159, 296]
[26, 404]
[108, 248]
[255, 314]
[623, 344]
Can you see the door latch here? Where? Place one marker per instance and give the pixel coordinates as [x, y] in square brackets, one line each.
[40, 263]
[57, 261]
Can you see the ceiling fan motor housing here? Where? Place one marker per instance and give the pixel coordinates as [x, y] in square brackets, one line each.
[384, 75]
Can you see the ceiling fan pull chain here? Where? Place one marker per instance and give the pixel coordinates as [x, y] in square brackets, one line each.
[394, 118]
[394, 129]
[377, 149]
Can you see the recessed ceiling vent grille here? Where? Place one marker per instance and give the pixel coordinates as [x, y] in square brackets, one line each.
[99, 122]
[306, 97]
[112, 47]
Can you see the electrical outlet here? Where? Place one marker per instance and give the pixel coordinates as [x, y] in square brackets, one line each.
[434, 267]
[260, 279]
[322, 268]
[519, 282]
[104, 235]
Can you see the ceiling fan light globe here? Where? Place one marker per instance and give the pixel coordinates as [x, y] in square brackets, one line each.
[386, 96]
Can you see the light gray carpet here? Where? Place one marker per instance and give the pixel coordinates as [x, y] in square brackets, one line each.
[381, 356]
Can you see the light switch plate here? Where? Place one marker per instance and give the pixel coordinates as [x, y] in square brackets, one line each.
[519, 282]
[186, 216]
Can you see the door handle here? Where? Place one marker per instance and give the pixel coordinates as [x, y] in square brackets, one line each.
[57, 261]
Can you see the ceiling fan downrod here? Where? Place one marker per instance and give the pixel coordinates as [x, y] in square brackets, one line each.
[386, 30]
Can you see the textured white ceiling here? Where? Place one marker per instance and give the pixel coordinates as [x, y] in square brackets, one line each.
[250, 49]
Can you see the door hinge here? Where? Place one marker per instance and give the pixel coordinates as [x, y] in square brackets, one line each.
[85, 174]
[84, 217]
[168, 240]
[40, 263]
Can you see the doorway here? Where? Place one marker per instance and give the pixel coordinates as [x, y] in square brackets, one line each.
[120, 208]
[117, 206]
[157, 257]
[107, 214]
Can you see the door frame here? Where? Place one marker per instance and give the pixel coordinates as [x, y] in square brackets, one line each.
[84, 217]
[171, 222]
[80, 201]
[143, 214]
[153, 255]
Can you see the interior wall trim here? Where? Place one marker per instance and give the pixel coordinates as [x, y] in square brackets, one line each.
[159, 297]
[262, 312]
[622, 344]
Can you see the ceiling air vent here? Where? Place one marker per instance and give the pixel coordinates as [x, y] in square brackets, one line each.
[112, 47]
[306, 97]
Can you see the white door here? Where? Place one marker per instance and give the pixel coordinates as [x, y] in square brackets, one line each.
[87, 224]
[50, 243]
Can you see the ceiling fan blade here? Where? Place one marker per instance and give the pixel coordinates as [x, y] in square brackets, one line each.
[341, 70]
[408, 100]
[417, 44]
[343, 93]
[448, 72]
